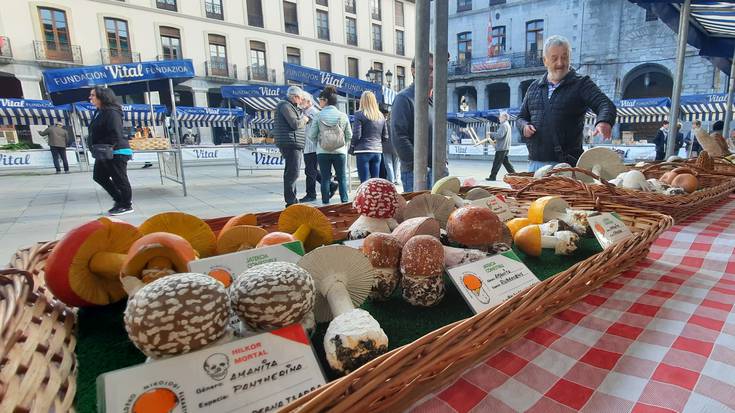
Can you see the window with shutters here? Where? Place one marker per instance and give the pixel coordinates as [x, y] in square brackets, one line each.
[55, 33]
[255, 13]
[353, 67]
[170, 43]
[258, 65]
[399, 14]
[290, 17]
[400, 77]
[118, 40]
[293, 55]
[325, 62]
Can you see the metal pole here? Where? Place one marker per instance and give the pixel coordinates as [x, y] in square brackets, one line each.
[421, 106]
[180, 165]
[730, 91]
[678, 76]
[439, 154]
[234, 144]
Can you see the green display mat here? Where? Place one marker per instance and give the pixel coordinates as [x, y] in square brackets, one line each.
[103, 345]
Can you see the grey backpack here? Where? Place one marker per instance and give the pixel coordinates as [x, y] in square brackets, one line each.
[331, 137]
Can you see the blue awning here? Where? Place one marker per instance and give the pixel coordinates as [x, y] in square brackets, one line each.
[32, 112]
[73, 85]
[136, 115]
[711, 26]
[710, 107]
[197, 116]
[264, 97]
[262, 119]
[389, 95]
[643, 110]
[318, 78]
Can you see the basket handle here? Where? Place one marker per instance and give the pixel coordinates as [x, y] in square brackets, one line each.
[662, 165]
[610, 187]
[560, 179]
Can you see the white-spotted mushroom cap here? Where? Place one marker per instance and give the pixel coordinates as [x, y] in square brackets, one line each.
[273, 295]
[430, 205]
[376, 198]
[343, 276]
[177, 314]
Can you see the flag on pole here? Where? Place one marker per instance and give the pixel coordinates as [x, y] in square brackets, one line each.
[490, 47]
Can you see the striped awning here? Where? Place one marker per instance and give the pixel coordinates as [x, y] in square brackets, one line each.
[643, 110]
[389, 95]
[261, 103]
[32, 112]
[197, 116]
[262, 119]
[134, 115]
[710, 107]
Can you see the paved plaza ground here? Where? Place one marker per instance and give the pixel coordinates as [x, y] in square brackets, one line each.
[42, 206]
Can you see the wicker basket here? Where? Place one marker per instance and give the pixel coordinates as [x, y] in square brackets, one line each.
[715, 188]
[38, 367]
[397, 379]
[150, 144]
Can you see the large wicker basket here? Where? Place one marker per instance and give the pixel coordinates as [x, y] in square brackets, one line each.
[715, 188]
[396, 379]
[149, 144]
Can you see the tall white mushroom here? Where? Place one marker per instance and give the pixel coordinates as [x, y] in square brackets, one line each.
[603, 162]
[344, 278]
[449, 187]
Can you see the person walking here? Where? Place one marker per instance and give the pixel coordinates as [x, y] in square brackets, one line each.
[660, 140]
[501, 139]
[106, 129]
[552, 115]
[289, 133]
[331, 128]
[57, 137]
[369, 132]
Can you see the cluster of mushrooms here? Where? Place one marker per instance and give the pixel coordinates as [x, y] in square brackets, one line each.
[608, 165]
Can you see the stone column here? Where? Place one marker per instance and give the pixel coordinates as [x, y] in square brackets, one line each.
[515, 99]
[205, 132]
[482, 102]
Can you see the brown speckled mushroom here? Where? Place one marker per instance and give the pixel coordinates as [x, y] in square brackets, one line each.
[422, 266]
[177, 314]
[384, 253]
[272, 295]
[344, 278]
[476, 227]
[376, 201]
[430, 205]
[417, 226]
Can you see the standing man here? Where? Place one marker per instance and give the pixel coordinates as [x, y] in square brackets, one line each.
[289, 134]
[311, 166]
[502, 138]
[56, 137]
[401, 126]
[552, 115]
[660, 140]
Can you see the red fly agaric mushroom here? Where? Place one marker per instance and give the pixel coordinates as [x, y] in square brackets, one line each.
[275, 238]
[430, 205]
[239, 238]
[84, 267]
[154, 256]
[531, 241]
[417, 226]
[344, 277]
[187, 226]
[475, 227]
[422, 266]
[177, 314]
[307, 224]
[272, 295]
[449, 186]
[384, 252]
[376, 202]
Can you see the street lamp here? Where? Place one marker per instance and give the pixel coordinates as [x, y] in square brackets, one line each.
[389, 77]
[372, 74]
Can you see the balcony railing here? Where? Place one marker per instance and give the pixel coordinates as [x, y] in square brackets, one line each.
[220, 68]
[261, 74]
[168, 57]
[57, 53]
[117, 56]
[6, 52]
[506, 61]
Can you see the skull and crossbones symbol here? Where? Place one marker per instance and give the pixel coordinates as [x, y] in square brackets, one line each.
[216, 366]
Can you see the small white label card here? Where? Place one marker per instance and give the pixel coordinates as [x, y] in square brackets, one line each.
[233, 264]
[490, 281]
[354, 243]
[499, 207]
[262, 373]
[608, 229]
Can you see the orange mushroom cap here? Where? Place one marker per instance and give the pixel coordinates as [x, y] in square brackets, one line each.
[164, 246]
[239, 238]
[275, 238]
[307, 224]
[191, 228]
[528, 240]
[242, 219]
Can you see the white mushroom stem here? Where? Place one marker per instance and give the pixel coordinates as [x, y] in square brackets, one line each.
[563, 242]
[459, 202]
[339, 299]
[458, 256]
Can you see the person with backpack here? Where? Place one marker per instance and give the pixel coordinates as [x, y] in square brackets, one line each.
[369, 132]
[332, 134]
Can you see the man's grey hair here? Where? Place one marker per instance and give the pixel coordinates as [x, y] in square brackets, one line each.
[294, 91]
[504, 114]
[557, 40]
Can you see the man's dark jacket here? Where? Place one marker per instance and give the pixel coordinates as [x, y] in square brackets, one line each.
[401, 127]
[559, 121]
[288, 128]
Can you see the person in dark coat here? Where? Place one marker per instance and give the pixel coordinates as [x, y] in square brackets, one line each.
[289, 134]
[369, 131]
[106, 128]
[57, 136]
[552, 115]
[660, 140]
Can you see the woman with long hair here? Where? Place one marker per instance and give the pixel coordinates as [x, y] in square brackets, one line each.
[106, 129]
[369, 133]
[331, 125]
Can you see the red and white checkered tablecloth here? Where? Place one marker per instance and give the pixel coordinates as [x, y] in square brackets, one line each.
[659, 338]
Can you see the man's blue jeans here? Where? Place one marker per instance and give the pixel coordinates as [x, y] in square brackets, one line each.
[407, 180]
[534, 166]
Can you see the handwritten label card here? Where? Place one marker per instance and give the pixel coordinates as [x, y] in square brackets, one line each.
[488, 282]
[262, 373]
[235, 263]
[499, 207]
[608, 229]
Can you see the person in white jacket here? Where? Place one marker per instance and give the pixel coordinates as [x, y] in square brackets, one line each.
[502, 138]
